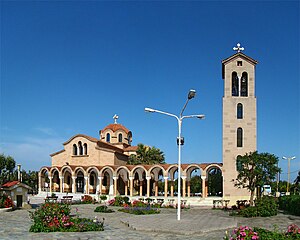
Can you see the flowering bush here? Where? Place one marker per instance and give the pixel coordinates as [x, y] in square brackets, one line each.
[111, 202]
[5, 201]
[55, 217]
[293, 230]
[86, 199]
[242, 233]
[118, 201]
[245, 233]
[137, 203]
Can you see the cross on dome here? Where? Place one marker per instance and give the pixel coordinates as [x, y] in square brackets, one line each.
[115, 117]
[238, 48]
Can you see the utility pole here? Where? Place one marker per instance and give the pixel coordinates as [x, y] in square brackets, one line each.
[289, 172]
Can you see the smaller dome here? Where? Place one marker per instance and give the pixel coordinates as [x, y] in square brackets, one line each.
[115, 127]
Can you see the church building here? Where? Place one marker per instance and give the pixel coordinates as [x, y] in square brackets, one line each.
[89, 165]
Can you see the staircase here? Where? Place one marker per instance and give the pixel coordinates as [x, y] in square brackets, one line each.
[203, 202]
[191, 201]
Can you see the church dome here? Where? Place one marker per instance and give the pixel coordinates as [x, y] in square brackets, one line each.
[115, 127]
[116, 134]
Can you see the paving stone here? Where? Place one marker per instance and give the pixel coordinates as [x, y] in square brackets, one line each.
[195, 223]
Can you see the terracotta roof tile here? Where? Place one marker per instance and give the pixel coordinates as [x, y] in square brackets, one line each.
[115, 127]
[10, 184]
[131, 149]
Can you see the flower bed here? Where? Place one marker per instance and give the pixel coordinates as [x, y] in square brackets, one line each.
[136, 207]
[247, 233]
[55, 217]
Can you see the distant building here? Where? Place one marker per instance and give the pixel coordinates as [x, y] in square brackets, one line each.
[17, 191]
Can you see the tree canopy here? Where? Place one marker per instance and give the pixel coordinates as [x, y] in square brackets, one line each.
[256, 169]
[146, 155]
[7, 165]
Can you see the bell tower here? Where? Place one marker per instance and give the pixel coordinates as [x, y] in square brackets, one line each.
[239, 118]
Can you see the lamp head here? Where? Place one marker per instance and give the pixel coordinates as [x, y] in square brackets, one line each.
[200, 116]
[191, 94]
[149, 110]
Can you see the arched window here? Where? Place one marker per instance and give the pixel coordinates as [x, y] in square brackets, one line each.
[74, 149]
[239, 111]
[235, 84]
[239, 165]
[244, 85]
[108, 137]
[85, 149]
[80, 148]
[129, 138]
[239, 137]
[120, 137]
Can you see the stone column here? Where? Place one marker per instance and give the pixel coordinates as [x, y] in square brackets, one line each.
[156, 188]
[172, 188]
[115, 185]
[73, 184]
[61, 184]
[148, 186]
[131, 186]
[40, 182]
[183, 186]
[141, 188]
[86, 185]
[203, 186]
[189, 188]
[50, 183]
[100, 185]
[166, 186]
[126, 188]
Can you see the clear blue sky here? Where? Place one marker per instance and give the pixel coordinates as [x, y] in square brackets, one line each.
[68, 67]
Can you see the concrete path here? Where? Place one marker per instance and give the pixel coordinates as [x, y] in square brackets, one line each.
[196, 223]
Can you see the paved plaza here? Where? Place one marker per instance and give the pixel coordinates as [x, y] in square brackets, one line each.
[196, 223]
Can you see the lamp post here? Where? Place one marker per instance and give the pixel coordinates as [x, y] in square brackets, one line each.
[179, 118]
[289, 166]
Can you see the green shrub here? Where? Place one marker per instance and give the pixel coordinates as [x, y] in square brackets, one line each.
[264, 207]
[271, 235]
[290, 204]
[103, 197]
[140, 210]
[103, 209]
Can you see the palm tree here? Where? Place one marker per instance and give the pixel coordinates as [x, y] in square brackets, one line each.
[297, 180]
[146, 155]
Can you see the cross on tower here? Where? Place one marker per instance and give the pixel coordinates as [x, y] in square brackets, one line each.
[238, 48]
[115, 117]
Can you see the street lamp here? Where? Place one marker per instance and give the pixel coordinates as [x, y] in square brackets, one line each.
[289, 165]
[179, 118]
